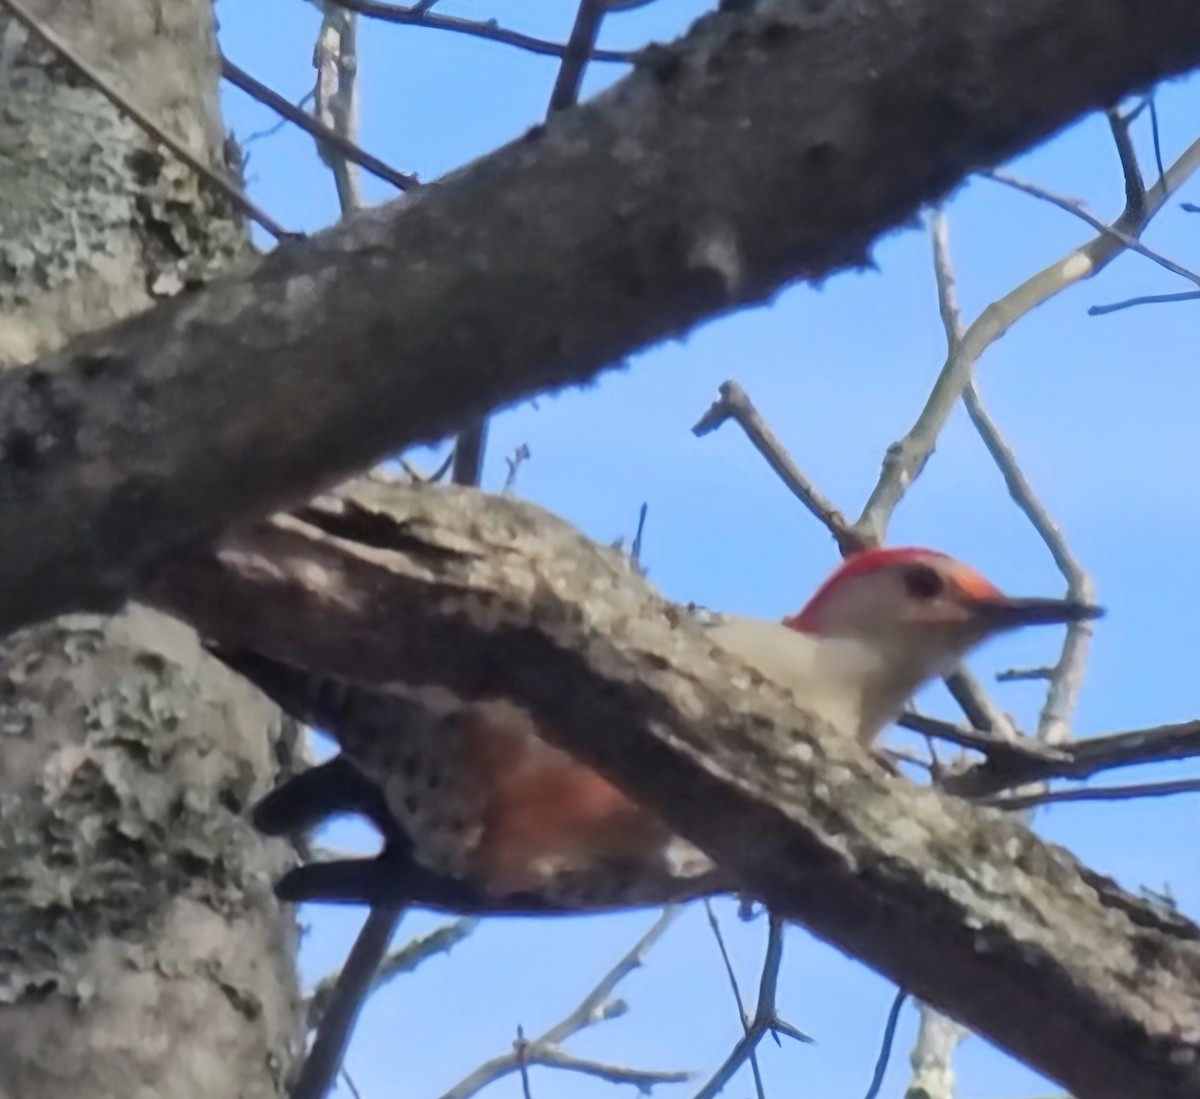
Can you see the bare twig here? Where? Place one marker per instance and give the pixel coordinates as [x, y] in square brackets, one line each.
[715, 926]
[964, 737]
[1075, 206]
[470, 446]
[335, 57]
[1067, 678]
[239, 78]
[595, 1007]
[1148, 299]
[469, 449]
[411, 17]
[405, 960]
[349, 994]
[1099, 793]
[1135, 186]
[349, 1081]
[579, 49]
[766, 1016]
[906, 458]
[519, 457]
[122, 102]
[427, 478]
[1024, 675]
[635, 547]
[733, 403]
[1025, 760]
[963, 687]
[274, 128]
[522, 1047]
[885, 1046]
[642, 1079]
[1155, 136]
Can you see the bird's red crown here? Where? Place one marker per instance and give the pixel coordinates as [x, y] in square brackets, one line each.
[966, 579]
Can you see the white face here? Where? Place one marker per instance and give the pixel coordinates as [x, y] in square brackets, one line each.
[922, 603]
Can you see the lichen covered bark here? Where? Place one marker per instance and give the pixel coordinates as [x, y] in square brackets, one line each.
[135, 901]
[141, 951]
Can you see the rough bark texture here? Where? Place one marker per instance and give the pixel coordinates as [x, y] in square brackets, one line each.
[773, 142]
[965, 908]
[141, 951]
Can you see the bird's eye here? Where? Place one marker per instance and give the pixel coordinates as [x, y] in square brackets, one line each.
[923, 582]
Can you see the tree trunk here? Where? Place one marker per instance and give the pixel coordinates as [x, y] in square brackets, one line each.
[141, 951]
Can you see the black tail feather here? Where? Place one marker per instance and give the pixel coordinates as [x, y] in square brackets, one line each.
[395, 877]
[335, 788]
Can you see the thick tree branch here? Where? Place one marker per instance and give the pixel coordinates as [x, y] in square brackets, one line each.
[967, 911]
[712, 175]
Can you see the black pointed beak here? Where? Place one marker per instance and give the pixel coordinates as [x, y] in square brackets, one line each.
[1011, 614]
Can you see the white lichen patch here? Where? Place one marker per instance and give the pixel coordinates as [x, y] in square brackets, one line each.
[715, 247]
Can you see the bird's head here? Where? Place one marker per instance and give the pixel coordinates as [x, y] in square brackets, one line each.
[907, 615]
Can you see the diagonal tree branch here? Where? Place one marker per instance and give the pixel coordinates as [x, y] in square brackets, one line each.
[968, 911]
[242, 80]
[406, 322]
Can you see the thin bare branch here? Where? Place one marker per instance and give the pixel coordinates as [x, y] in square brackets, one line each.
[1024, 675]
[471, 443]
[1026, 760]
[986, 743]
[335, 57]
[519, 457]
[412, 17]
[579, 50]
[635, 547]
[766, 1016]
[408, 958]
[419, 477]
[354, 983]
[715, 926]
[241, 79]
[1076, 206]
[595, 1007]
[885, 1045]
[733, 403]
[970, 695]
[643, 1079]
[1135, 186]
[521, 1046]
[1067, 678]
[122, 102]
[1096, 793]
[1148, 299]
[907, 457]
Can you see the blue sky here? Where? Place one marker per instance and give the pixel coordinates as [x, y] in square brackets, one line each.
[1101, 411]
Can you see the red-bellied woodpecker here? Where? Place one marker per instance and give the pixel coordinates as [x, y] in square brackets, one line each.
[479, 812]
